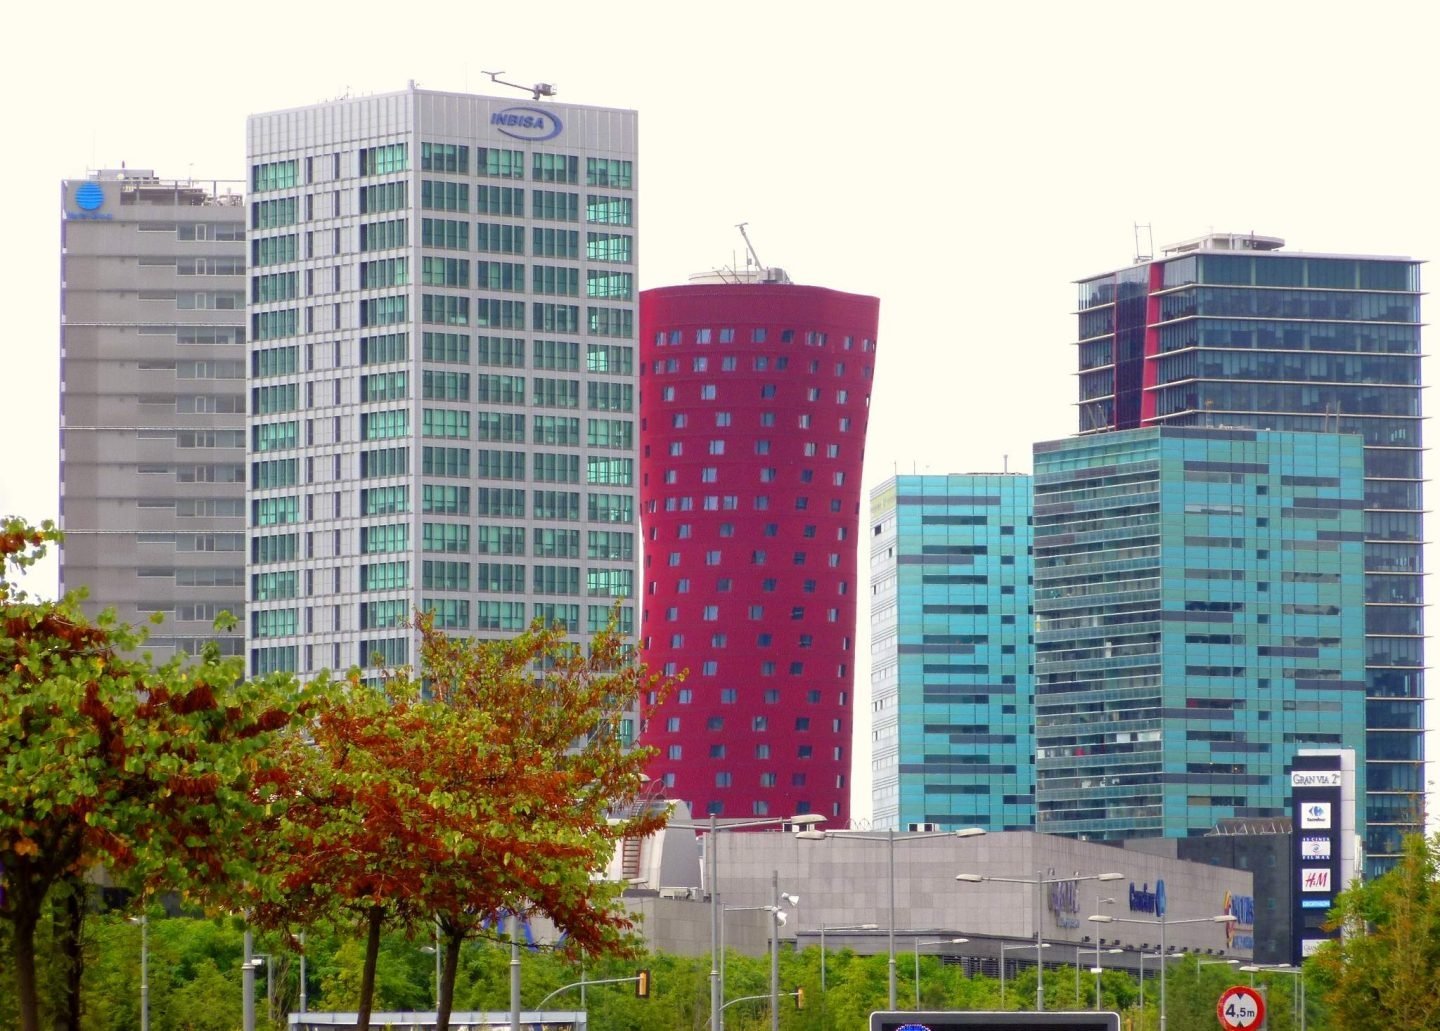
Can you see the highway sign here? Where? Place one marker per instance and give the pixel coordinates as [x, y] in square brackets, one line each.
[1240, 1009]
[1009, 1020]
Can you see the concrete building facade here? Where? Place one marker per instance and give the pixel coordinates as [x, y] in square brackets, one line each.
[152, 402]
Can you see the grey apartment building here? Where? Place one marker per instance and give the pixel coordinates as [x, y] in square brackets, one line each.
[152, 402]
[443, 377]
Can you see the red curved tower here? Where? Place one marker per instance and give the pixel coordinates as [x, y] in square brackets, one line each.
[754, 402]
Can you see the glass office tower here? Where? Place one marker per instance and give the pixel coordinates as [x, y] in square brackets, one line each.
[1230, 330]
[1199, 619]
[442, 316]
[951, 680]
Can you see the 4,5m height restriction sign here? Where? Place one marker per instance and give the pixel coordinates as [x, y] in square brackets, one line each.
[1240, 1009]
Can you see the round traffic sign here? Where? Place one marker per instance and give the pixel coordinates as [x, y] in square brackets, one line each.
[1240, 1009]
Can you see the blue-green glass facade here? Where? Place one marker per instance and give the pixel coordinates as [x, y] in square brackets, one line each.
[1234, 331]
[1199, 604]
[951, 634]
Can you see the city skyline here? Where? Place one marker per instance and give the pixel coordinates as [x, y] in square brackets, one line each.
[987, 92]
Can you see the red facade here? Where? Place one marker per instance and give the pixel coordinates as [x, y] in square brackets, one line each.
[754, 403]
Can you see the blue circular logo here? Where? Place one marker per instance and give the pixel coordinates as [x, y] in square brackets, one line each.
[89, 196]
[1159, 898]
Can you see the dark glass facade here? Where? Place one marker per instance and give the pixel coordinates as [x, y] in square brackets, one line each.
[1240, 334]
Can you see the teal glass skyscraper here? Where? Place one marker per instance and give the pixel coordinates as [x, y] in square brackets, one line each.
[951, 681]
[1199, 618]
[1232, 330]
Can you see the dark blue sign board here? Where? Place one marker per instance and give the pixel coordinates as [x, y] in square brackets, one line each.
[1317, 839]
[998, 1020]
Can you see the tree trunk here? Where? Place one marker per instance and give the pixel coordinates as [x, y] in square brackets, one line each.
[445, 1000]
[25, 919]
[373, 919]
[69, 921]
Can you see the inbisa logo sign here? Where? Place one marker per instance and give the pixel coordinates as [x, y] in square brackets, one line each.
[527, 123]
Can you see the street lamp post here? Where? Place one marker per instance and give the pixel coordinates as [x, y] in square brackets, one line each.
[918, 943]
[712, 861]
[144, 922]
[777, 920]
[837, 927]
[889, 838]
[1152, 955]
[1098, 903]
[1040, 882]
[247, 983]
[1296, 972]
[1012, 948]
[1097, 970]
[1224, 918]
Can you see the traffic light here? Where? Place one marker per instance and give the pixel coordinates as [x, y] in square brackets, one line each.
[799, 998]
[642, 985]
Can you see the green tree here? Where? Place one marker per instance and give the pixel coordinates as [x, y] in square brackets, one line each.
[1382, 975]
[484, 785]
[540, 776]
[105, 759]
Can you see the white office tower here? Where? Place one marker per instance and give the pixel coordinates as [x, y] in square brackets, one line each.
[442, 317]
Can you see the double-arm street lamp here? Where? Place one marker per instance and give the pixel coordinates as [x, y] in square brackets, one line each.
[1296, 972]
[889, 838]
[1040, 881]
[918, 943]
[1097, 970]
[712, 860]
[1224, 918]
[1012, 948]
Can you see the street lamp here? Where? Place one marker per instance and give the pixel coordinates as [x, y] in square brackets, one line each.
[1296, 972]
[1152, 955]
[1098, 903]
[1224, 918]
[777, 921]
[1097, 970]
[1040, 881]
[918, 943]
[1012, 948]
[712, 858]
[144, 922]
[1212, 963]
[837, 927]
[889, 838]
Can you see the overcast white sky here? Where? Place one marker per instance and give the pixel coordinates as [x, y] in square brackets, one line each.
[963, 161]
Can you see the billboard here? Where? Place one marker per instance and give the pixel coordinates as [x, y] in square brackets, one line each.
[1324, 823]
[990, 1020]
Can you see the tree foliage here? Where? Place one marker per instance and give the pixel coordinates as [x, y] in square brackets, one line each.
[105, 759]
[1383, 974]
[483, 785]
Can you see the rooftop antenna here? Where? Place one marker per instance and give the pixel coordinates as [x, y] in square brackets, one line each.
[752, 258]
[540, 89]
[1146, 252]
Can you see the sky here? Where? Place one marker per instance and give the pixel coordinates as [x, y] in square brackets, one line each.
[964, 162]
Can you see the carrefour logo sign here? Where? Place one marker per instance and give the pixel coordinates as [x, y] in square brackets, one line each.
[527, 123]
[1144, 900]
